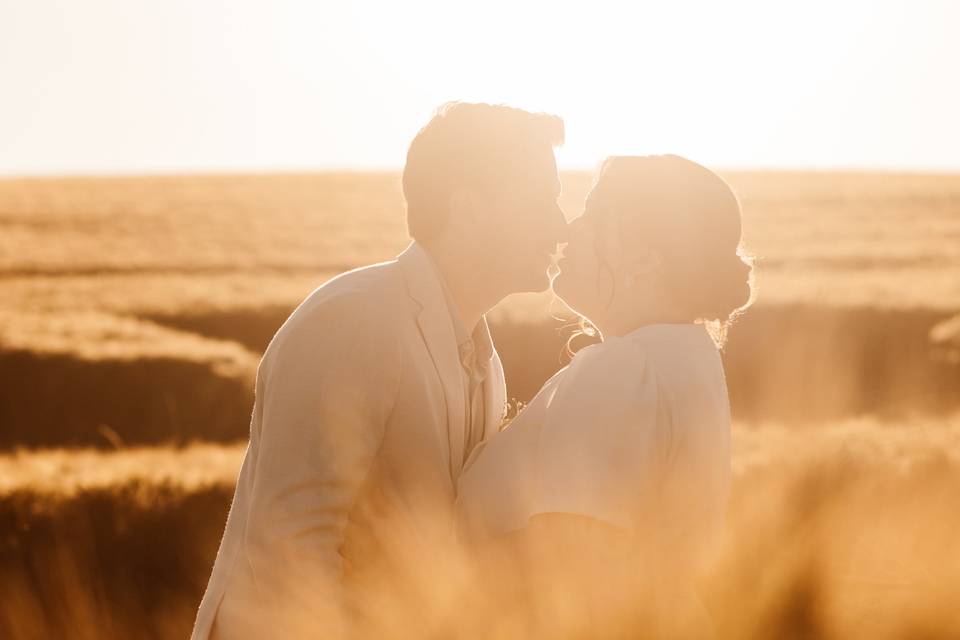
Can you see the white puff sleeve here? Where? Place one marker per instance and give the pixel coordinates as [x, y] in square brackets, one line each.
[606, 439]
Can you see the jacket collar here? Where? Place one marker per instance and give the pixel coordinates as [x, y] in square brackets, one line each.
[436, 326]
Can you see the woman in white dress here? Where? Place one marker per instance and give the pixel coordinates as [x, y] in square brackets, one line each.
[595, 509]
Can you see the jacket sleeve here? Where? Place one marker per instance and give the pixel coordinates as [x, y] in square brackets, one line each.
[330, 385]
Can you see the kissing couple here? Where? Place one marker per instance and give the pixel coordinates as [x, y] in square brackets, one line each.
[382, 495]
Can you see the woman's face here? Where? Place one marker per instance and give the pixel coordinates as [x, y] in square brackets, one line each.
[586, 279]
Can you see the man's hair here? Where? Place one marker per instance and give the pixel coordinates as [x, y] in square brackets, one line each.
[466, 145]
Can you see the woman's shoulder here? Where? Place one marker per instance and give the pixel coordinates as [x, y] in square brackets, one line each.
[614, 363]
[610, 352]
[606, 383]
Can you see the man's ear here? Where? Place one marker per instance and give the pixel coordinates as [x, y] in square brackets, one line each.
[463, 209]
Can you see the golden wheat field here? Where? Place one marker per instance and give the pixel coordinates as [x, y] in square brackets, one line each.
[133, 312]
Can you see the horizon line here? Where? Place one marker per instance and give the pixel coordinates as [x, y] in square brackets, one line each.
[334, 170]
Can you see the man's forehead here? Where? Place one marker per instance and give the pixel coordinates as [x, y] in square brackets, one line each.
[554, 175]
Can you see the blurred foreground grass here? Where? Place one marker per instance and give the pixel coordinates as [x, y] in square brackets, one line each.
[845, 530]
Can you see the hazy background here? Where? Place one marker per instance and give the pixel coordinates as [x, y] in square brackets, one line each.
[114, 86]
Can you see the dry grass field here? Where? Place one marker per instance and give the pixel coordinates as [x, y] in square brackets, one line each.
[133, 312]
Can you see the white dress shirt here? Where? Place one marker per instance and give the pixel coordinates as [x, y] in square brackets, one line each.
[475, 349]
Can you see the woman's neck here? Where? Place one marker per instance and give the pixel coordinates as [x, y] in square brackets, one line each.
[620, 322]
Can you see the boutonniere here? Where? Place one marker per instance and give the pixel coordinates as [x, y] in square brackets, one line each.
[511, 409]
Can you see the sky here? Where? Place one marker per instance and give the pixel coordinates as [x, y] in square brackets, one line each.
[173, 86]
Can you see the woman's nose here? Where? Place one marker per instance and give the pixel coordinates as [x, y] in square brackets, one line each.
[562, 228]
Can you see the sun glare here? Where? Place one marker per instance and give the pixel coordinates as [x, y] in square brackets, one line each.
[342, 85]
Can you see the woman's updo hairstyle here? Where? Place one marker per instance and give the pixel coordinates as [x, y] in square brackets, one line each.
[690, 216]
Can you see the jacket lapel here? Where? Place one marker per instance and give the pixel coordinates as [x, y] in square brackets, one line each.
[436, 327]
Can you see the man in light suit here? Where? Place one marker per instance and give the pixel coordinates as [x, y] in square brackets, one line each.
[372, 394]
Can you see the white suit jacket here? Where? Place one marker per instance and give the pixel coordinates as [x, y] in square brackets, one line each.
[346, 492]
